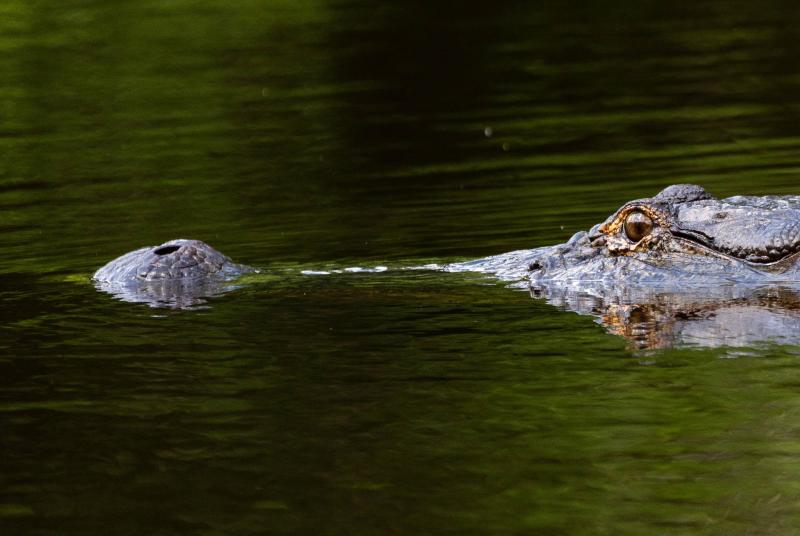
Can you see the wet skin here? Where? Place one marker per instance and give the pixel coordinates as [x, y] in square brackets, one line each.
[682, 234]
[678, 269]
[179, 273]
[172, 260]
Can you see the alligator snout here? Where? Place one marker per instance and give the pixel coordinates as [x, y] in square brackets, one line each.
[178, 259]
[581, 246]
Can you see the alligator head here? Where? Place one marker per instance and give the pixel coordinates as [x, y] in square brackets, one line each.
[680, 268]
[681, 235]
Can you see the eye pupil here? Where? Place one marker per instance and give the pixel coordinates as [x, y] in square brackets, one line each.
[637, 226]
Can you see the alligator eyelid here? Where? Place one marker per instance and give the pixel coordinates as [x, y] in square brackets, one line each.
[691, 234]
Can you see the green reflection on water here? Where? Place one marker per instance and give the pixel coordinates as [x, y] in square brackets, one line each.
[308, 134]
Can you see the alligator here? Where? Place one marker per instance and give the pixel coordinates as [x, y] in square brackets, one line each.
[650, 272]
[682, 234]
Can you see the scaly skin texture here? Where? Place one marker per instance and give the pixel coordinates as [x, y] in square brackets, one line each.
[177, 259]
[702, 272]
[693, 238]
[179, 274]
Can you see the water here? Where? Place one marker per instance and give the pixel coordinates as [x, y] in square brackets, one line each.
[316, 135]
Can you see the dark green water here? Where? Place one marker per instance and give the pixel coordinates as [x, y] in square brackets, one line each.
[310, 133]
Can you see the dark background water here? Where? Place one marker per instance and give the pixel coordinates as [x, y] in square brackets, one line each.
[300, 133]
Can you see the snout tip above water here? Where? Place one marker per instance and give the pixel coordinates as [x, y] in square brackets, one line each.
[177, 273]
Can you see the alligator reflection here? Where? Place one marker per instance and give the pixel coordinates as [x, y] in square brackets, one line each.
[651, 318]
[171, 294]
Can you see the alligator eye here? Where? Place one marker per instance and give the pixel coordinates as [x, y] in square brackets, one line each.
[637, 226]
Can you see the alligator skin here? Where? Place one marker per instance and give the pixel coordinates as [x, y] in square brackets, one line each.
[179, 273]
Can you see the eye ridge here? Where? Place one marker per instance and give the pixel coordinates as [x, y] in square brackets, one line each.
[637, 226]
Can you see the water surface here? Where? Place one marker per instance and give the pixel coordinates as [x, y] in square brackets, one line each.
[314, 134]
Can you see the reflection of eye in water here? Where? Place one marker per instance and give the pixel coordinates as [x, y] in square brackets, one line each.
[659, 317]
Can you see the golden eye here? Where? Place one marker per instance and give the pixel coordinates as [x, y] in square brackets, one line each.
[637, 226]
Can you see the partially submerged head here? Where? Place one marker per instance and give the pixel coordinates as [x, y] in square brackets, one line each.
[680, 234]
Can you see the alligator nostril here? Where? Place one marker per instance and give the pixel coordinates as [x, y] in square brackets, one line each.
[166, 250]
[598, 241]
